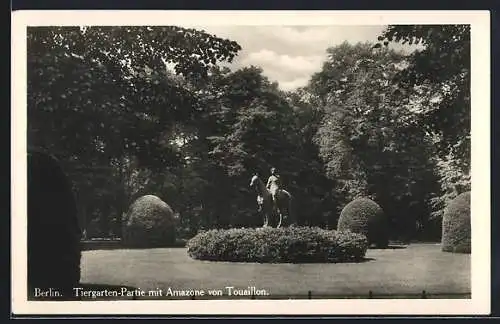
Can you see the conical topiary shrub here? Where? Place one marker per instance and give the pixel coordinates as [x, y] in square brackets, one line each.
[457, 225]
[366, 217]
[54, 251]
[149, 222]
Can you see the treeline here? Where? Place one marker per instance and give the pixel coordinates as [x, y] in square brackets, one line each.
[373, 122]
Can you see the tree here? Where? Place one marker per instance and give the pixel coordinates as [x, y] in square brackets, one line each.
[250, 125]
[369, 138]
[318, 199]
[91, 84]
[101, 97]
[441, 71]
[249, 134]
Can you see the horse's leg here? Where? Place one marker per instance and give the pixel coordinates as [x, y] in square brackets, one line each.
[270, 214]
[280, 219]
[279, 211]
[266, 217]
[283, 213]
[278, 215]
[284, 218]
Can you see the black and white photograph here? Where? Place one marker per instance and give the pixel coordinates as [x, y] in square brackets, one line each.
[251, 162]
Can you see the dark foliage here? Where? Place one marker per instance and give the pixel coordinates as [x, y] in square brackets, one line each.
[150, 222]
[101, 100]
[54, 251]
[365, 216]
[278, 245]
[457, 225]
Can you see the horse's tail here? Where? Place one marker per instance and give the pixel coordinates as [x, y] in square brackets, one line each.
[286, 192]
[291, 211]
[290, 215]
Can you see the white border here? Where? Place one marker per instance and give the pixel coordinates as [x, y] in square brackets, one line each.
[480, 130]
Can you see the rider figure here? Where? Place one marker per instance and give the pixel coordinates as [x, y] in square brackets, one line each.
[273, 184]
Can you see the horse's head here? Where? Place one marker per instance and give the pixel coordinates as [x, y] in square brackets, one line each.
[254, 180]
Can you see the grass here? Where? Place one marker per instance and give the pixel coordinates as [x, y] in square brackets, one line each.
[387, 273]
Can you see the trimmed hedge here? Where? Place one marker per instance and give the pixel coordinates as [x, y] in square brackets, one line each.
[54, 251]
[278, 245]
[88, 245]
[149, 223]
[457, 225]
[365, 216]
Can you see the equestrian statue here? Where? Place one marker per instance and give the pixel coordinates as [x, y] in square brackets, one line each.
[273, 202]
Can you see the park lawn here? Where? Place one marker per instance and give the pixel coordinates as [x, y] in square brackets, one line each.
[386, 272]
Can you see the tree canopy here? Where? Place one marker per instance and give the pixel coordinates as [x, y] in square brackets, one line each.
[132, 111]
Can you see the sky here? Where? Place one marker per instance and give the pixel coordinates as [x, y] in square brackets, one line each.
[290, 54]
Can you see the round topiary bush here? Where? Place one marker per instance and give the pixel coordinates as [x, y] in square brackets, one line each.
[278, 245]
[149, 222]
[54, 250]
[365, 216]
[457, 225]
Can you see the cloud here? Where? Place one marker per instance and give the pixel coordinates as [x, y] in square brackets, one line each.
[296, 40]
[289, 71]
[290, 54]
[294, 84]
[283, 66]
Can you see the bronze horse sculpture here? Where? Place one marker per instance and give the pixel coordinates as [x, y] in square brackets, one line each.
[277, 213]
